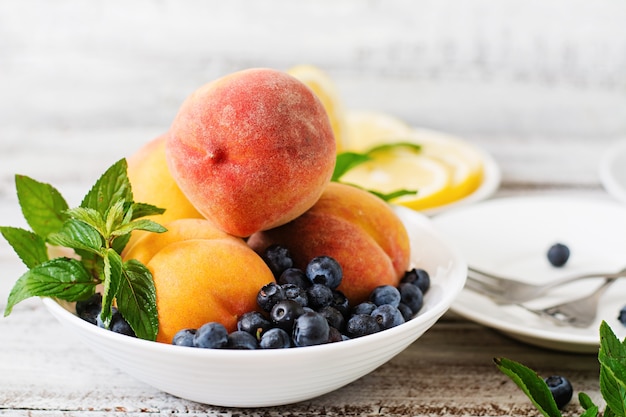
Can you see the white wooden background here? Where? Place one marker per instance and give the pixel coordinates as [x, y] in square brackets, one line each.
[540, 84]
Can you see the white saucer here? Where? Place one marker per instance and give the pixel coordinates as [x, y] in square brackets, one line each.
[511, 236]
[613, 170]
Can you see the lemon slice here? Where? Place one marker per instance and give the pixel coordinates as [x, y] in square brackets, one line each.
[462, 162]
[390, 171]
[324, 88]
[465, 161]
[366, 129]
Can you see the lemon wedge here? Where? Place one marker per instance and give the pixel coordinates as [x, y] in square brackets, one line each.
[324, 88]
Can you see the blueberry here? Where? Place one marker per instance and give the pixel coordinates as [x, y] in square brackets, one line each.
[89, 309]
[334, 335]
[558, 254]
[388, 316]
[310, 329]
[561, 390]
[184, 337]
[120, 325]
[361, 325]
[295, 293]
[366, 307]
[622, 316]
[277, 259]
[385, 294]
[285, 312]
[406, 311]
[269, 295]
[411, 296]
[254, 323]
[319, 296]
[211, 335]
[275, 338]
[418, 277]
[294, 276]
[334, 317]
[241, 340]
[324, 270]
[341, 302]
[117, 324]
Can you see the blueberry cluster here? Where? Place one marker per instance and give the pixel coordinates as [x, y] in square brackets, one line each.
[90, 309]
[305, 308]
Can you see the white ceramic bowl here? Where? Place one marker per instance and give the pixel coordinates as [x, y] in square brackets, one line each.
[259, 378]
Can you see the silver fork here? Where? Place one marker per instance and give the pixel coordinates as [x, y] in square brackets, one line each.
[580, 312]
[510, 291]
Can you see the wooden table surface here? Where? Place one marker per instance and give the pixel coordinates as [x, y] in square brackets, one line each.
[82, 86]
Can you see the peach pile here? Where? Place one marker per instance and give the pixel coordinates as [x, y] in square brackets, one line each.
[250, 156]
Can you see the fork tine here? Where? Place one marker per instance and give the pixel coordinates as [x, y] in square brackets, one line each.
[484, 287]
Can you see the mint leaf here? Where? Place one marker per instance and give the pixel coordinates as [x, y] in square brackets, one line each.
[42, 205]
[64, 278]
[114, 217]
[611, 356]
[30, 247]
[393, 195]
[112, 277]
[111, 187]
[147, 225]
[346, 161]
[89, 216]
[76, 234]
[142, 210]
[531, 384]
[391, 146]
[137, 300]
[591, 410]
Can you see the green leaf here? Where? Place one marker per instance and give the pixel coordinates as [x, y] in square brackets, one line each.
[611, 356]
[385, 147]
[143, 210]
[112, 277]
[76, 234]
[63, 278]
[346, 161]
[120, 242]
[114, 217]
[585, 401]
[612, 391]
[142, 224]
[111, 187]
[42, 205]
[531, 384]
[136, 300]
[393, 195]
[89, 216]
[31, 248]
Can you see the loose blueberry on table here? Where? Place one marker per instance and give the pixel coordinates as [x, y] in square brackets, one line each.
[561, 389]
[558, 254]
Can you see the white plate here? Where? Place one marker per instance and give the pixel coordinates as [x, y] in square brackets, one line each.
[511, 236]
[613, 171]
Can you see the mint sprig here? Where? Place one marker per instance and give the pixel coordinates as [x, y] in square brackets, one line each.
[97, 231]
[612, 358]
[346, 161]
